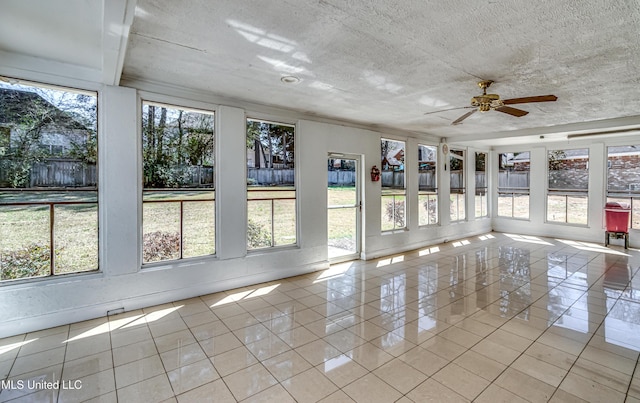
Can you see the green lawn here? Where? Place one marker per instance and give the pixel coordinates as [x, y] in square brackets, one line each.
[75, 229]
[76, 225]
[342, 221]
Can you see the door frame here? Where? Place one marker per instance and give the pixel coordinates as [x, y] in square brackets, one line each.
[358, 207]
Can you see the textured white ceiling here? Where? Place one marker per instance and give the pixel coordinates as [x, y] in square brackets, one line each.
[382, 63]
[388, 62]
[45, 29]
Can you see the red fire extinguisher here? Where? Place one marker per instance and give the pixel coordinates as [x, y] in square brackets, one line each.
[375, 174]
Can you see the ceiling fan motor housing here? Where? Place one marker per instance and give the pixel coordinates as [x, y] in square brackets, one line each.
[486, 102]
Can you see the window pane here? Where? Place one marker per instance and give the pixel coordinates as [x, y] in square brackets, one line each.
[457, 209]
[393, 210]
[623, 178]
[427, 186]
[284, 229]
[556, 208]
[428, 207]
[76, 237]
[521, 206]
[271, 194]
[48, 150]
[178, 178]
[568, 184]
[259, 231]
[342, 183]
[392, 164]
[578, 208]
[481, 185]
[393, 185]
[161, 225]
[342, 230]
[481, 202]
[505, 204]
[456, 167]
[24, 236]
[568, 169]
[199, 227]
[513, 184]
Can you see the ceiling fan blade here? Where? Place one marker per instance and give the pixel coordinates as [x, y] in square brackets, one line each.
[525, 100]
[512, 111]
[463, 117]
[450, 109]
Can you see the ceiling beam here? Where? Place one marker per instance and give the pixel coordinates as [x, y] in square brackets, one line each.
[558, 131]
[116, 24]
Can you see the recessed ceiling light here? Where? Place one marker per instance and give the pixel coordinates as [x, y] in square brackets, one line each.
[290, 79]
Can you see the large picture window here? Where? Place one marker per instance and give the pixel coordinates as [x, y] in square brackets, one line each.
[427, 185]
[568, 186]
[481, 185]
[458, 189]
[48, 181]
[271, 190]
[393, 185]
[178, 209]
[623, 178]
[513, 185]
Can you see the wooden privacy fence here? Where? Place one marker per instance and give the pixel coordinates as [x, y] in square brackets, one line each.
[52, 173]
[513, 179]
[427, 180]
[76, 173]
[271, 176]
[63, 173]
[341, 178]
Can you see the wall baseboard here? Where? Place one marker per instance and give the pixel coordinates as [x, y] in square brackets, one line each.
[79, 314]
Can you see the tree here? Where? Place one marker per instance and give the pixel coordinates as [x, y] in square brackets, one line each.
[270, 142]
[481, 161]
[176, 145]
[31, 113]
[556, 159]
[455, 160]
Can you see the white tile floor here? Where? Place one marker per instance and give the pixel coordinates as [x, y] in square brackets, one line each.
[495, 318]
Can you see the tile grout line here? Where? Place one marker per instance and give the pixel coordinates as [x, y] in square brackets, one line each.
[590, 338]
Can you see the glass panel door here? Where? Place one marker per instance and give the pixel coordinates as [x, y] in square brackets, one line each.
[343, 208]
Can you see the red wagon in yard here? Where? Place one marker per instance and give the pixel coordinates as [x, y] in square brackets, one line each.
[617, 218]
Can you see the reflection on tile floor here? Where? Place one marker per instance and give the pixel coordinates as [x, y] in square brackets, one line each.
[497, 317]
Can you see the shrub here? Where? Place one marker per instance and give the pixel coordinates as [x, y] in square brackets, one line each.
[160, 245]
[31, 260]
[395, 212]
[257, 235]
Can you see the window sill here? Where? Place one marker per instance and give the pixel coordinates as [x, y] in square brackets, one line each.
[49, 280]
[567, 224]
[394, 231]
[171, 264]
[514, 218]
[253, 252]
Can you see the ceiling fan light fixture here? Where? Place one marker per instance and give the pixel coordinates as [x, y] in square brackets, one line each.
[484, 107]
[492, 102]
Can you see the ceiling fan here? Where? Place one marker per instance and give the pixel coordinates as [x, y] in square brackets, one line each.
[487, 102]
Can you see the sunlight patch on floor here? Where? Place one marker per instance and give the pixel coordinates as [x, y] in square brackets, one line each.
[591, 247]
[429, 251]
[334, 271]
[528, 239]
[9, 347]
